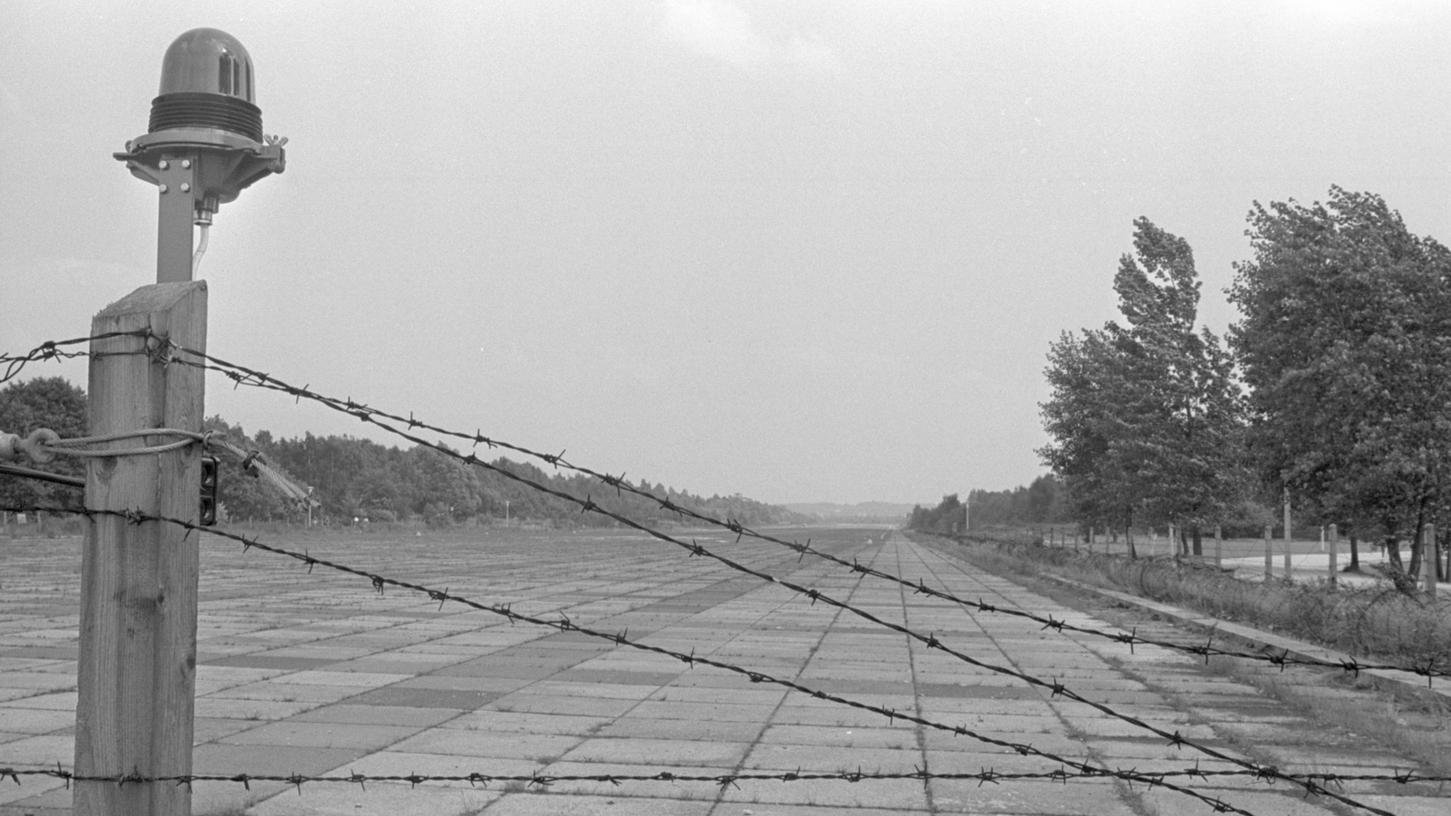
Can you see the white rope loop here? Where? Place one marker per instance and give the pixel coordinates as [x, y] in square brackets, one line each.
[44, 444]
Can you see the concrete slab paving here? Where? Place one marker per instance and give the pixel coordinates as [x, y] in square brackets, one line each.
[775, 809]
[903, 794]
[311, 734]
[319, 675]
[550, 803]
[383, 797]
[1036, 798]
[34, 720]
[537, 748]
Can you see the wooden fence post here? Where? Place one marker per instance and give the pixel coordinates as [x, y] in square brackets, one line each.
[137, 663]
[1218, 546]
[1331, 541]
[1289, 567]
[1429, 559]
[1269, 555]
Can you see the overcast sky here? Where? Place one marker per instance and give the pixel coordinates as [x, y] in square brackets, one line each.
[796, 250]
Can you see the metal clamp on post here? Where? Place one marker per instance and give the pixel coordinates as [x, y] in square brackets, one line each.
[211, 484]
[36, 446]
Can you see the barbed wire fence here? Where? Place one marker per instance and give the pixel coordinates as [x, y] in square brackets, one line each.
[243, 376]
[1318, 784]
[1315, 784]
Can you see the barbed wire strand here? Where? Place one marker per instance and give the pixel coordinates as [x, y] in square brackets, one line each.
[1265, 773]
[51, 350]
[541, 780]
[1057, 688]
[165, 349]
[242, 375]
[564, 624]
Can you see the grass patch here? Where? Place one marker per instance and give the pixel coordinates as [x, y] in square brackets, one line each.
[1370, 622]
[1412, 722]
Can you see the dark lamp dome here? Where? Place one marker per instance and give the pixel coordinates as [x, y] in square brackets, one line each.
[207, 82]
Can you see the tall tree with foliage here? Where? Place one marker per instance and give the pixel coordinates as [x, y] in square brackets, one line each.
[1045, 501]
[947, 517]
[1145, 416]
[1346, 346]
[44, 402]
[1086, 374]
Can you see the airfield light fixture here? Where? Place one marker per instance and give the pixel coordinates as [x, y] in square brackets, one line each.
[204, 143]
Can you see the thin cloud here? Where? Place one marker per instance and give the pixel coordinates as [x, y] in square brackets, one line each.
[725, 33]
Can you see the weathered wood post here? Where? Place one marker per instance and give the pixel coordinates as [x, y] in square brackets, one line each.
[1289, 568]
[137, 664]
[1218, 546]
[1330, 542]
[1269, 555]
[1429, 560]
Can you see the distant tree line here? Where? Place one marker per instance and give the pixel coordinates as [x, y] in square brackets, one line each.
[948, 517]
[1333, 390]
[50, 402]
[1043, 502]
[359, 479]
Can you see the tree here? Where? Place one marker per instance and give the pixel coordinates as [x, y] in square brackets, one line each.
[46, 402]
[445, 490]
[1085, 373]
[1346, 346]
[946, 517]
[1146, 417]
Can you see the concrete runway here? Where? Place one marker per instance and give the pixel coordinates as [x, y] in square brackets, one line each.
[318, 674]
